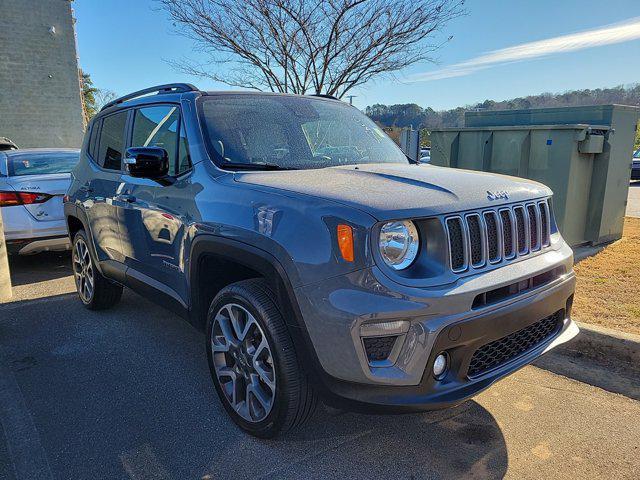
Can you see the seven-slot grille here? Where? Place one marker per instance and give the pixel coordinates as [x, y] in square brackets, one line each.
[491, 236]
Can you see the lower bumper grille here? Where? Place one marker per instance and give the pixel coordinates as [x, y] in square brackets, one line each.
[507, 348]
[378, 348]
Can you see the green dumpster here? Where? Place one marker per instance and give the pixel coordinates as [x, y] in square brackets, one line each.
[582, 153]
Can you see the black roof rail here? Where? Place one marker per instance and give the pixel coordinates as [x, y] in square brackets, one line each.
[159, 89]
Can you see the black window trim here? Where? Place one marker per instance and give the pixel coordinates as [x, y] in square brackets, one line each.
[93, 137]
[188, 170]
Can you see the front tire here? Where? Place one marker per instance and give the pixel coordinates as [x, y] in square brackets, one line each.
[95, 291]
[253, 363]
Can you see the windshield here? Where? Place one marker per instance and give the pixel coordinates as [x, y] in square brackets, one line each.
[41, 163]
[292, 132]
[637, 154]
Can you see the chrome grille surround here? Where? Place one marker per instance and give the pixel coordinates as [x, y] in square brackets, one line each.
[534, 226]
[495, 239]
[477, 234]
[506, 233]
[522, 229]
[544, 223]
[458, 247]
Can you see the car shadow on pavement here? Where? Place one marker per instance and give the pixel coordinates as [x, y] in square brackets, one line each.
[462, 442]
[126, 393]
[40, 267]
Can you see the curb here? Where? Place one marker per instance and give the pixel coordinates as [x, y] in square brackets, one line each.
[605, 344]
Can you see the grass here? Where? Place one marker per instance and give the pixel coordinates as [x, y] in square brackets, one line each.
[607, 293]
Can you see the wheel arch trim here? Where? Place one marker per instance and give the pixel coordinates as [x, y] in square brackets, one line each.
[272, 270]
[72, 210]
[206, 245]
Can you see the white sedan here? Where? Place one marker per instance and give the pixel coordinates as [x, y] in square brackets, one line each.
[32, 183]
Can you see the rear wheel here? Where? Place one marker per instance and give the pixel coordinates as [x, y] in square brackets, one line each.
[95, 291]
[253, 363]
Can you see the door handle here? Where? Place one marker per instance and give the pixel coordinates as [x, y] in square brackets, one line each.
[126, 198]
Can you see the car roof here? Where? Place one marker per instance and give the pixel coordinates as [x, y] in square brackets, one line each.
[175, 97]
[39, 151]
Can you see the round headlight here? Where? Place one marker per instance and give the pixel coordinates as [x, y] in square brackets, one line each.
[399, 244]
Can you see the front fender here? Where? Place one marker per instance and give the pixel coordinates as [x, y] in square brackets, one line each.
[297, 230]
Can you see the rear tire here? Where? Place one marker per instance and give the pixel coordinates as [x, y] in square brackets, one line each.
[95, 291]
[241, 318]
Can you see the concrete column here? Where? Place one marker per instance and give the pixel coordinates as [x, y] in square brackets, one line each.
[5, 279]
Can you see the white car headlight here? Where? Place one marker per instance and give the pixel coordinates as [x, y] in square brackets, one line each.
[399, 244]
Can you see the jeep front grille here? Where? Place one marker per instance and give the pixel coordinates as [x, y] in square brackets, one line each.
[494, 235]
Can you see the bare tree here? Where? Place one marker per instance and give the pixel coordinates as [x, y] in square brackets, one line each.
[308, 46]
[104, 96]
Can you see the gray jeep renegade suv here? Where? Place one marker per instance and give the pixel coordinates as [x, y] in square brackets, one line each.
[320, 262]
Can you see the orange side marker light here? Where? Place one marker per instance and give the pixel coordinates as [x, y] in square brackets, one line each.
[345, 241]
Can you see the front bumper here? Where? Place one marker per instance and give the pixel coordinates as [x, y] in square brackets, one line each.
[635, 172]
[440, 320]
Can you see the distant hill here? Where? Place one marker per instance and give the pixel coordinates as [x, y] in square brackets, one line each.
[426, 118]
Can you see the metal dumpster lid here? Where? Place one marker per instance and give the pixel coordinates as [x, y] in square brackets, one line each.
[568, 126]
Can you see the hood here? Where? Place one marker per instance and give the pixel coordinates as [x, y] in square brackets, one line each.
[393, 191]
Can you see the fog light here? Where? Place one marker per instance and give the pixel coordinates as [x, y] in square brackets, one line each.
[440, 365]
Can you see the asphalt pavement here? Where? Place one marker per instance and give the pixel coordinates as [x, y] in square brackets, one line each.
[126, 394]
[633, 200]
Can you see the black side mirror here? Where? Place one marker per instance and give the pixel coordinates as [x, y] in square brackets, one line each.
[147, 162]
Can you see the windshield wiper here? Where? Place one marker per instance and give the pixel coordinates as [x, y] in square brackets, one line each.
[254, 166]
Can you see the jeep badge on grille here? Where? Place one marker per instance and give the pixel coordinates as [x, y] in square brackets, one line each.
[497, 195]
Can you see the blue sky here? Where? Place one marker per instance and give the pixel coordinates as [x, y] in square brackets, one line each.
[124, 45]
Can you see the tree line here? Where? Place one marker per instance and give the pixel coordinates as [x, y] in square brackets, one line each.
[411, 114]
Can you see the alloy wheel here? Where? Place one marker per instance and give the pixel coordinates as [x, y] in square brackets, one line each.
[83, 270]
[243, 362]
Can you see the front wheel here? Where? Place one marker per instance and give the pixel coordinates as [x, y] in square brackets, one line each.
[95, 291]
[253, 363]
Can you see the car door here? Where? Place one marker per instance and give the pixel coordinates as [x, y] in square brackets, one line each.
[106, 150]
[152, 220]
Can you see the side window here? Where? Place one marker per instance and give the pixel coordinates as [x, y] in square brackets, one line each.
[111, 147]
[184, 159]
[158, 127]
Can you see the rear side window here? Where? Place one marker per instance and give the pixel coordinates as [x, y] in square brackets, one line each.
[157, 126]
[111, 145]
[41, 163]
